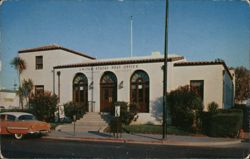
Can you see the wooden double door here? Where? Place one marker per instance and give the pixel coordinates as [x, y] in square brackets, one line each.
[108, 97]
[108, 91]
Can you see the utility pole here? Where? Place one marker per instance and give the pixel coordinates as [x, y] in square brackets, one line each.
[164, 123]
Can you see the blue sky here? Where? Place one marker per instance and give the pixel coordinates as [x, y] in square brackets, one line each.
[200, 30]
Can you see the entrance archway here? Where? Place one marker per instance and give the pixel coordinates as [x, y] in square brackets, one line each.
[80, 90]
[108, 91]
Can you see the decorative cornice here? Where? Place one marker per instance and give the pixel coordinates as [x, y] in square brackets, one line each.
[120, 62]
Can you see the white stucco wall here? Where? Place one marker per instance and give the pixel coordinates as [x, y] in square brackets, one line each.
[9, 99]
[177, 76]
[123, 73]
[212, 76]
[228, 89]
[51, 58]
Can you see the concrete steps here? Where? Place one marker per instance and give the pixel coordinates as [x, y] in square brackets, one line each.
[91, 121]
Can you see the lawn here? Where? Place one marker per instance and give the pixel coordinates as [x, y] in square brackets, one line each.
[154, 129]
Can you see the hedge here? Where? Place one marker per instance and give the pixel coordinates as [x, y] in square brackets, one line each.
[205, 122]
[225, 123]
[246, 116]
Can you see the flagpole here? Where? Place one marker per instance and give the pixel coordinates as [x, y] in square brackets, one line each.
[131, 36]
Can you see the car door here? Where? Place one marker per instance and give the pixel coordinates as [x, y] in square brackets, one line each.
[3, 124]
[14, 126]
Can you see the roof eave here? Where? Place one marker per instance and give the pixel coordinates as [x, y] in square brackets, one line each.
[55, 48]
[205, 63]
[137, 61]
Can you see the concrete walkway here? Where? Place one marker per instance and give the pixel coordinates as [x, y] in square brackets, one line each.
[141, 138]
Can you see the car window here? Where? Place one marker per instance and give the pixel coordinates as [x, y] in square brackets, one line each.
[26, 117]
[11, 117]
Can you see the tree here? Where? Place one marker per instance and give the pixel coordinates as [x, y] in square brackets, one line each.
[20, 93]
[43, 106]
[19, 65]
[27, 86]
[73, 108]
[242, 84]
[24, 91]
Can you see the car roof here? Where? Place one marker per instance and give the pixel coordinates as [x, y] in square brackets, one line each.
[16, 114]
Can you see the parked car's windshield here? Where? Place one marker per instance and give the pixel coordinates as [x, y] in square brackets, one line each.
[26, 117]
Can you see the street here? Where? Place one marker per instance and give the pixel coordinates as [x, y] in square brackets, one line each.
[45, 148]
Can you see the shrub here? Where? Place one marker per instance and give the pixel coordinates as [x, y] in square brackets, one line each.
[213, 107]
[185, 107]
[127, 112]
[72, 108]
[226, 123]
[116, 125]
[43, 106]
[127, 115]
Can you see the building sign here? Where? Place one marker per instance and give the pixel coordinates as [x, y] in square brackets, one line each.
[61, 111]
[140, 86]
[113, 67]
[117, 111]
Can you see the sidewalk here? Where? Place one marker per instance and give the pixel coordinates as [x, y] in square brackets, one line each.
[141, 138]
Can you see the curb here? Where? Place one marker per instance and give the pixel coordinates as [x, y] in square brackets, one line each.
[170, 143]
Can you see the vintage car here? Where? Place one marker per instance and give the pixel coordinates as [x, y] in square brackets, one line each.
[20, 124]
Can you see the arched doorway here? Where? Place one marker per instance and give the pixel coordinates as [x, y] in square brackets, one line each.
[139, 90]
[108, 91]
[80, 90]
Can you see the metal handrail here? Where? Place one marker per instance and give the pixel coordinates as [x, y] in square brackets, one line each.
[91, 106]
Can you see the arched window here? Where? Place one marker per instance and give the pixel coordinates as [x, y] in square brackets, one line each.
[139, 90]
[108, 78]
[108, 91]
[80, 89]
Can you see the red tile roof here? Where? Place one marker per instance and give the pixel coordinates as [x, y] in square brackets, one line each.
[198, 63]
[120, 62]
[205, 63]
[54, 47]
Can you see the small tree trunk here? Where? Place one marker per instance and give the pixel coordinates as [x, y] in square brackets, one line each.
[21, 101]
[20, 85]
[28, 102]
